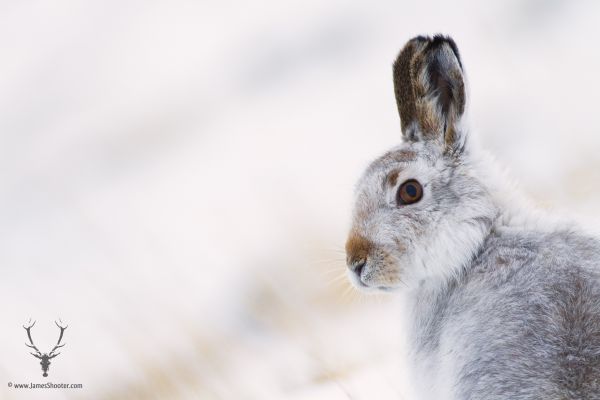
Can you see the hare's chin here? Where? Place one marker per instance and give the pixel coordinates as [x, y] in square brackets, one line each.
[375, 288]
[356, 281]
[359, 284]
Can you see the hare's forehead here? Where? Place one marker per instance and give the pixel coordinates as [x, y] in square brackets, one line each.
[395, 167]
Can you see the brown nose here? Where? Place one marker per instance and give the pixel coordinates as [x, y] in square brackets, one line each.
[357, 251]
[357, 267]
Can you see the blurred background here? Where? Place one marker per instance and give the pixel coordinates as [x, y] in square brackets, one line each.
[176, 181]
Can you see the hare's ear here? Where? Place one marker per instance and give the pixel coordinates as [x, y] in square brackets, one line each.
[430, 91]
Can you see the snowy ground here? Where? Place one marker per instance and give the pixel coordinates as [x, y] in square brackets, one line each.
[175, 181]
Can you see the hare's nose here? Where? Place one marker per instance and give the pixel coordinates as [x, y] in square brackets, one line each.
[357, 249]
[357, 266]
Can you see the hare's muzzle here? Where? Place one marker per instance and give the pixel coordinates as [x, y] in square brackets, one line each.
[357, 267]
[357, 253]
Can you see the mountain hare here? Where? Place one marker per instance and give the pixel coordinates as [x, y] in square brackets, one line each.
[502, 304]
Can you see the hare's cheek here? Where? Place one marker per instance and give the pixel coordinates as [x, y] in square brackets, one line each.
[401, 245]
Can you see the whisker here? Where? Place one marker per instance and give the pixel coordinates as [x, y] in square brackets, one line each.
[328, 260]
[349, 294]
[340, 277]
[334, 276]
[337, 269]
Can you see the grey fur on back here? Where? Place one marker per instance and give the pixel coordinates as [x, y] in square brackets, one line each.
[536, 332]
[503, 303]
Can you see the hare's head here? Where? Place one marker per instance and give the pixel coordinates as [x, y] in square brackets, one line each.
[422, 210]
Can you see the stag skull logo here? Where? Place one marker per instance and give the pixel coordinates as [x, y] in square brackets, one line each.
[45, 357]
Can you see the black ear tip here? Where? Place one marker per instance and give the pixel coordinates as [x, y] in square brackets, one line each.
[439, 40]
[420, 38]
[428, 65]
[436, 41]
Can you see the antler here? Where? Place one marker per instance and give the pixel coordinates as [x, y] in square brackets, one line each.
[58, 345]
[32, 345]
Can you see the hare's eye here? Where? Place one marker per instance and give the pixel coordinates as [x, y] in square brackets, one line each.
[409, 192]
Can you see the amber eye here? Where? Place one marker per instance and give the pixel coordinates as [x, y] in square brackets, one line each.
[409, 192]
